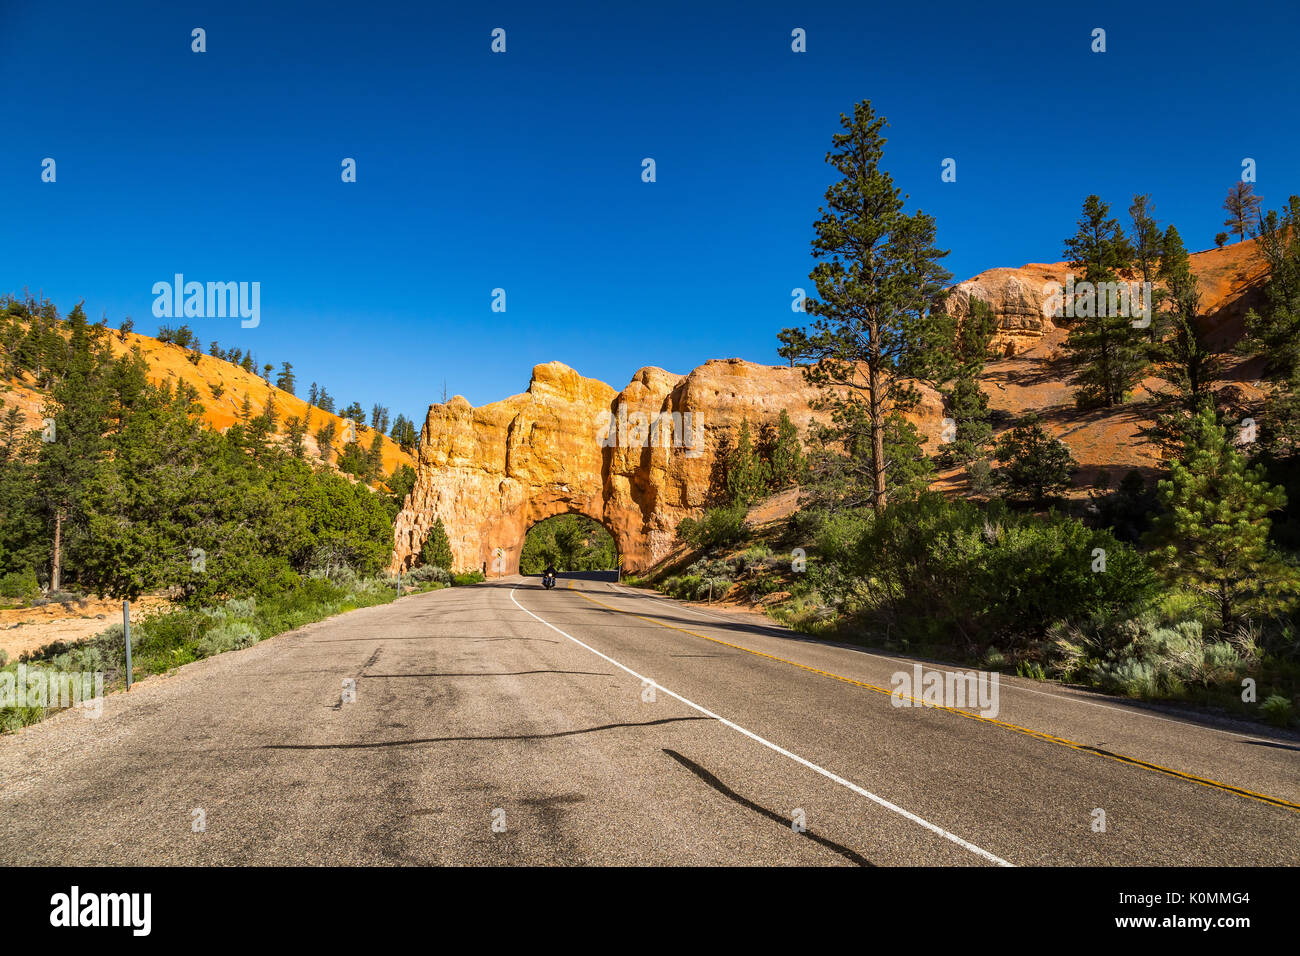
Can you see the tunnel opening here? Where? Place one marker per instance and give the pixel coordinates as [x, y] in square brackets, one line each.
[577, 546]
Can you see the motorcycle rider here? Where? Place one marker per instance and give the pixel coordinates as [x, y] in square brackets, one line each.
[550, 571]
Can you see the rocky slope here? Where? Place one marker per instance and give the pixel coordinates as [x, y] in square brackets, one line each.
[170, 363]
[1229, 280]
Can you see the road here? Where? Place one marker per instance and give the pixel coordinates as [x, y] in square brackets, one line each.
[594, 724]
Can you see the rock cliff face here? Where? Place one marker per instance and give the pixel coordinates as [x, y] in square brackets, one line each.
[638, 460]
[1023, 307]
[1019, 301]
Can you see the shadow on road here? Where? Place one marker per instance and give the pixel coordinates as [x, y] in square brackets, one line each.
[445, 740]
[785, 822]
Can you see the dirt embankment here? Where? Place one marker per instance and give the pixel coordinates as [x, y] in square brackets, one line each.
[28, 628]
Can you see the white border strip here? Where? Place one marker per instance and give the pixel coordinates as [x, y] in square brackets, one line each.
[985, 854]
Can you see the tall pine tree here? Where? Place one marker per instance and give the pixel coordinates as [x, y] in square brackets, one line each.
[878, 328]
[1242, 207]
[1106, 353]
[1185, 359]
[1214, 535]
[965, 401]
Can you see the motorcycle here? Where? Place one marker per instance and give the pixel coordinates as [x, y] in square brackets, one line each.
[548, 580]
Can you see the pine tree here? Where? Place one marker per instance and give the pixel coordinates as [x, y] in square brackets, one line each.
[404, 433]
[400, 484]
[841, 461]
[1214, 534]
[746, 474]
[1107, 356]
[285, 381]
[967, 405]
[68, 462]
[259, 430]
[1147, 242]
[1242, 206]
[878, 328]
[436, 550]
[1033, 463]
[295, 430]
[11, 427]
[1185, 359]
[353, 460]
[1273, 331]
[785, 457]
[325, 440]
[794, 345]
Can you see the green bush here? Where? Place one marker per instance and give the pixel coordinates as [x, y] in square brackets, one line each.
[467, 577]
[227, 636]
[943, 572]
[1031, 669]
[994, 659]
[241, 607]
[756, 556]
[1277, 710]
[979, 474]
[20, 584]
[427, 574]
[1150, 655]
[15, 718]
[706, 579]
[807, 614]
[716, 528]
[764, 585]
[168, 640]
[681, 586]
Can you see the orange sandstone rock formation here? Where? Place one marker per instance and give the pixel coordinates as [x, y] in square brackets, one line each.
[638, 460]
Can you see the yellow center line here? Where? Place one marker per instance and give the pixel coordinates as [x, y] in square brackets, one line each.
[1026, 731]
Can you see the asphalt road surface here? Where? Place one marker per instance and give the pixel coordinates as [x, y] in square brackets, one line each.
[594, 724]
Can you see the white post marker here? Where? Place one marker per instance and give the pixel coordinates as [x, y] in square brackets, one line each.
[126, 629]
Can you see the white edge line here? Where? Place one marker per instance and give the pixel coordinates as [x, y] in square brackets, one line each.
[978, 851]
[1067, 698]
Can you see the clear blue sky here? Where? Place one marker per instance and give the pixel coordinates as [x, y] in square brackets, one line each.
[523, 170]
